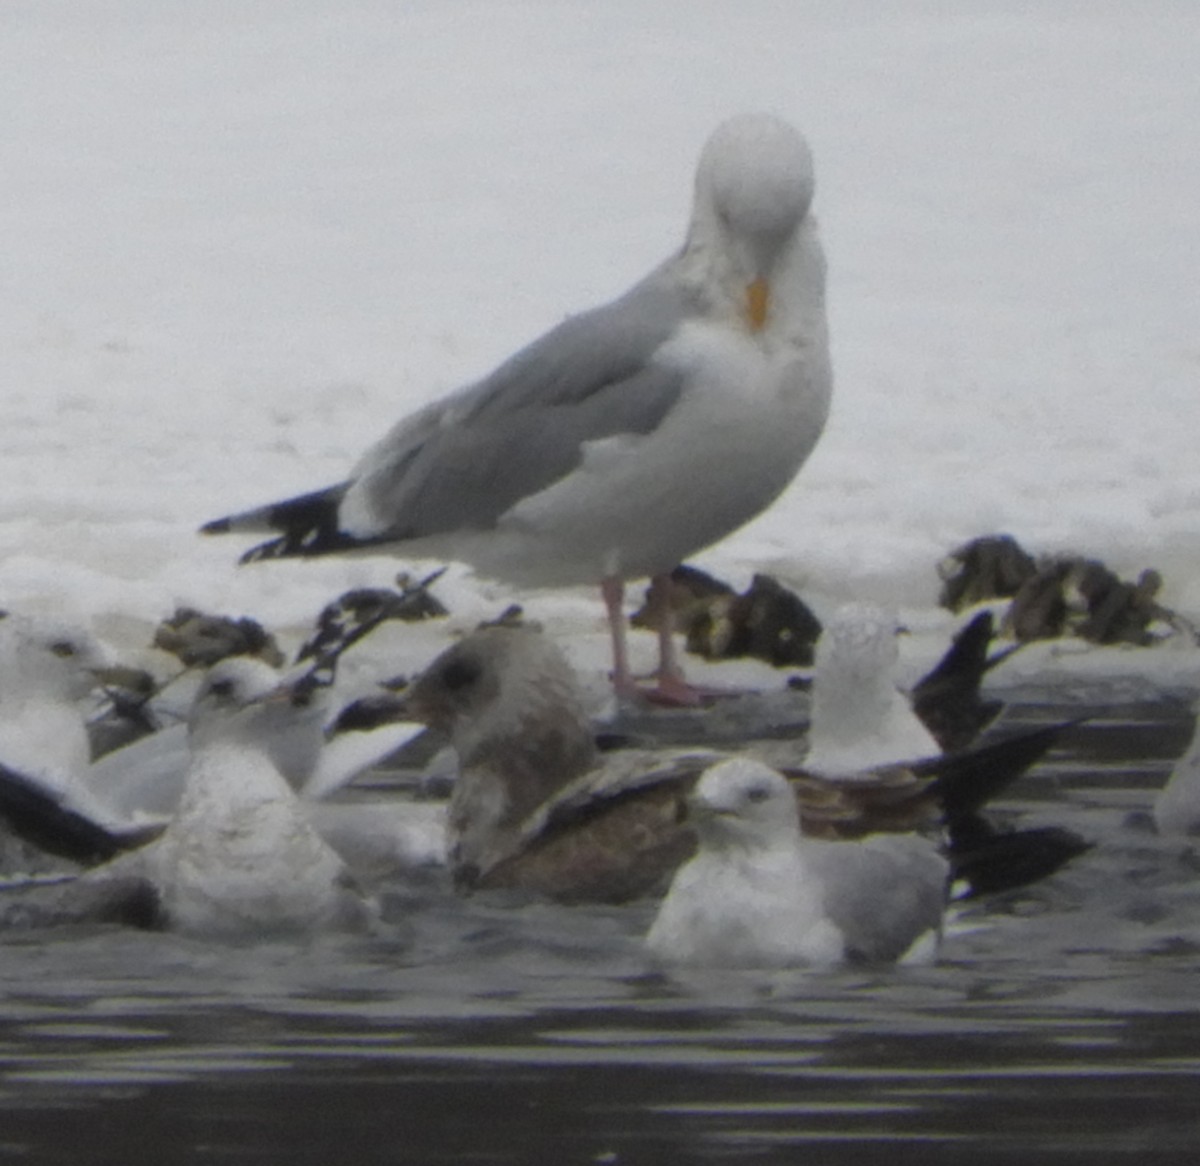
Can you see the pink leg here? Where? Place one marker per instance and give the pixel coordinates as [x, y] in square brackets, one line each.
[613, 591]
[671, 688]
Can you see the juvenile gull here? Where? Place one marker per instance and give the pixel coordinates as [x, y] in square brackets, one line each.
[629, 436]
[759, 894]
[537, 806]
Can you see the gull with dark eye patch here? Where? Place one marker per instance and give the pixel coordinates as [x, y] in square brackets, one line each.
[627, 437]
[538, 806]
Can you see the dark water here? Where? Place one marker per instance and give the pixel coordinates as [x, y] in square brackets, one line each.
[1061, 1025]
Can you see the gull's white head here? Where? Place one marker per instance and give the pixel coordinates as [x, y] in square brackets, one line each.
[857, 647]
[756, 171]
[48, 659]
[244, 700]
[241, 697]
[742, 802]
[860, 718]
[754, 186]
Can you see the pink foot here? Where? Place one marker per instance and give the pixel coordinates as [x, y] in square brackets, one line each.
[672, 692]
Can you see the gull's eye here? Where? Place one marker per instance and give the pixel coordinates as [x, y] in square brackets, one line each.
[221, 688]
[64, 649]
[757, 793]
[459, 674]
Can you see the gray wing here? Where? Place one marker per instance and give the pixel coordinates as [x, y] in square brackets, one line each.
[883, 892]
[461, 463]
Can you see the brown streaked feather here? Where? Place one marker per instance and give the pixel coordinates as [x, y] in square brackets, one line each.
[618, 849]
[891, 800]
[622, 837]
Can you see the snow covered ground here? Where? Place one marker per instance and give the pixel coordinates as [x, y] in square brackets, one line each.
[240, 240]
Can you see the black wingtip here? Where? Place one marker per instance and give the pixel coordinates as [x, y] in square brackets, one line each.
[127, 900]
[965, 782]
[38, 817]
[305, 525]
[948, 700]
[992, 861]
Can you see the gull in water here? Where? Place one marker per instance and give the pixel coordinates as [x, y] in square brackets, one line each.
[91, 813]
[537, 805]
[758, 894]
[239, 856]
[860, 718]
[47, 667]
[629, 436]
[52, 798]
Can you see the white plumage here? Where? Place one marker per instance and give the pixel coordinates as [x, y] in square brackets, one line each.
[860, 718]
[758, 894]
[240, 855]
[748, 898]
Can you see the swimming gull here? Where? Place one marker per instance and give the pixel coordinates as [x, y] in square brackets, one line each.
[53, 799]
[628, 437]
[47, 667]
[238, 857]
[538, 806]
[747, 897]
[759, 894]
[239, 854]
[860, 718]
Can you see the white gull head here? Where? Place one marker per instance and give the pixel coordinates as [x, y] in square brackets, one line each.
[860, 718]
[747, 898]
[46, 667]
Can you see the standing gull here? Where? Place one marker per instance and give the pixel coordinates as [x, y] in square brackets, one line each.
[629, 436]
